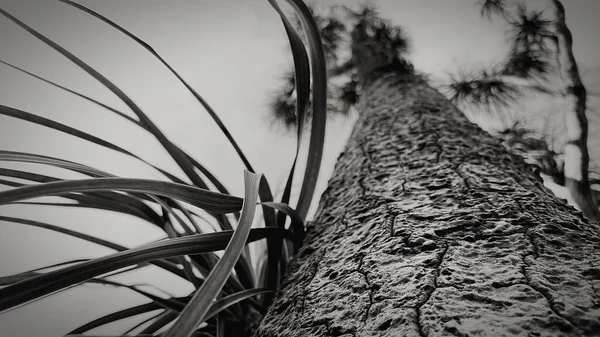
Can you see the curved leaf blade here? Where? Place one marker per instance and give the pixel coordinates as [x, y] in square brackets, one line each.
[200, 304]
[45, 284]
[208, 200]
[145, 45]
[319, 106]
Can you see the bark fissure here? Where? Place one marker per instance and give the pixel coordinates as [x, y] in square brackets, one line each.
[312, 275]
[367, 167]
[430, 293]
[365, 274]
[566, 328]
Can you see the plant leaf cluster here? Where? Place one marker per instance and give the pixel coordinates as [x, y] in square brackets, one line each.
[231, 291]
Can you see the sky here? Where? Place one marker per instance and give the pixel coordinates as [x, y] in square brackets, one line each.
[233, 52]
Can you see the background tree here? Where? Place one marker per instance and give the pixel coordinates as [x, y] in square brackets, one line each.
[430, 227]
[540, 48]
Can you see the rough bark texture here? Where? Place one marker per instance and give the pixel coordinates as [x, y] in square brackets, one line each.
[429, 227]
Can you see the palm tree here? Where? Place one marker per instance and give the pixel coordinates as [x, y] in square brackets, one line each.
[429, 227]
[539, 48]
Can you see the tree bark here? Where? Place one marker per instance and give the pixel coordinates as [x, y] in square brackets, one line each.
[429, 227]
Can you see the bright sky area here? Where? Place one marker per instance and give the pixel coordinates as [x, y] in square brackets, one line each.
[233, 52]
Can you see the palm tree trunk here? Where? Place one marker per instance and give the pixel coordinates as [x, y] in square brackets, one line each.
[429, 227]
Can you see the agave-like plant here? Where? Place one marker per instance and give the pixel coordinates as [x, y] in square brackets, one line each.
[230, 292]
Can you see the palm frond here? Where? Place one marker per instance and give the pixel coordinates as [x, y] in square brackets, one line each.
[282, 103]
[284, 110]
[489, 8]
[481, 89]
[528, 64]
[529, 27]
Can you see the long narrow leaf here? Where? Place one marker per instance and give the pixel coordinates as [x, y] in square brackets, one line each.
[6, 280]
[125, 204]
[173, 150]
[144, 322]
[202, 169]
[187, 265]
[162, 264]
[102, 200]
[167, 303]
[30, 289]
[302, 78]
[87, 98]
[243, 269]
[110, 201]
[296, 224]
[39, 120]
[319, 105]
[208, 200]
[182, 159]
[160, 323]
[116, 316]
[52, 161]
[187, 270]
[232, 299]
[205, 104]
[220, 187]
[106, 200]
[199, 305]
[62, 230]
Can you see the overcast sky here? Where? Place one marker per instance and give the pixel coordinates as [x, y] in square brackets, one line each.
[233, 53]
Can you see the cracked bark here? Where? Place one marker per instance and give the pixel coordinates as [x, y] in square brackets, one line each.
[429, 227]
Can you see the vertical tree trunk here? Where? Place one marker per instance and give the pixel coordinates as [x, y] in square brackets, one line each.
[429, 227]
[576, 151]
